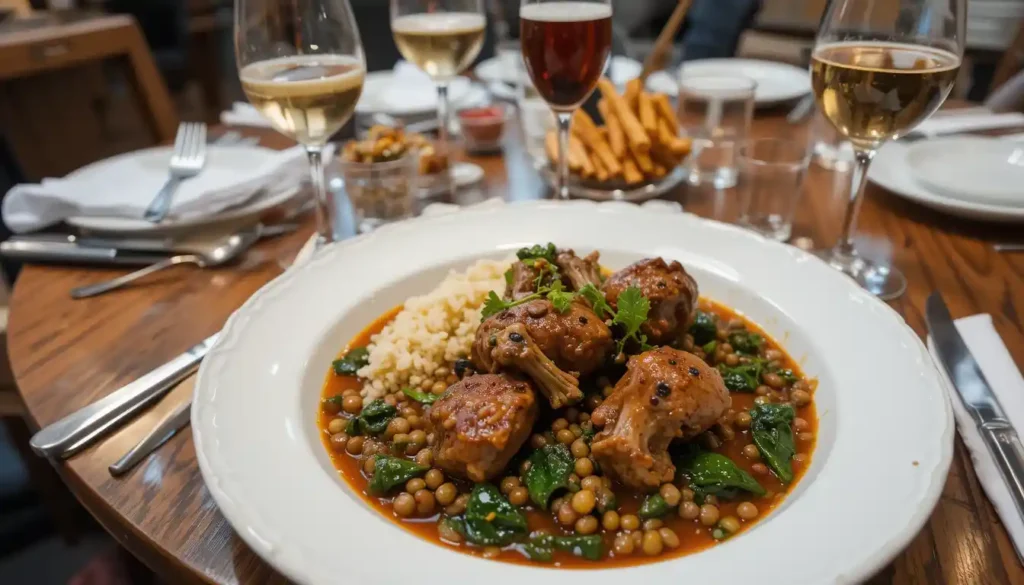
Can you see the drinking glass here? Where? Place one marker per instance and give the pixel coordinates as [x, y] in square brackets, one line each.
[878, 69]
[441, 37]
[715, 112]
[565, 48]
[301, 65]
[771, 180]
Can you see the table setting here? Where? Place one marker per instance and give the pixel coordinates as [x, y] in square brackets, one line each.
[164, 398]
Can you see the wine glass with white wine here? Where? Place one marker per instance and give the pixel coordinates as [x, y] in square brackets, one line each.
[878, 69]
[301, 65]
[441, 37]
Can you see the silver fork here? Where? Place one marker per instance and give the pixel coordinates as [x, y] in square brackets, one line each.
[187, 160]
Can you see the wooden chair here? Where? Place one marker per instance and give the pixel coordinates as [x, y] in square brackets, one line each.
[49, 77]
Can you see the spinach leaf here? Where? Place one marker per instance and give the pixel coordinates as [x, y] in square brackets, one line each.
[597, 301]
[542, 547]
[389, 472]
[537, 251]
[335, 402]
[703, 329]
[373, 420]
[420, 396]
[350, 363]
[787, 375]
[550, 468]
[745, 342]
[654, 506]
[715, 474]
[771, 431]
[742, 378]
[490, 519]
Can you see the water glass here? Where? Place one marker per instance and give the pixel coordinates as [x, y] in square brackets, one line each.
[829, 149]
[715, 112]
[381, 192]
[771, 177]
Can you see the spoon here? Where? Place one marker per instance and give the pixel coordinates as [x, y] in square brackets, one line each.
[221, 252]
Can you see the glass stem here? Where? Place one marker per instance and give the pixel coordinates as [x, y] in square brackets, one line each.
[324, 201]
[562, 185]
[859, 181]
[443, 124]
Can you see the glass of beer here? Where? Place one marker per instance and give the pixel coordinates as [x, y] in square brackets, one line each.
[566, 45]
[878, 69]
[441, 37]
[301, 65]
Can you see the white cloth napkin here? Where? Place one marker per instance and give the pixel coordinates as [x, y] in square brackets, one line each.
[126, 186]
[409, 88]
[1005, 379]
[244, 114]
[968, 122]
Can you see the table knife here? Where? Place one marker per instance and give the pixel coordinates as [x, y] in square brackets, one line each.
[999, 435]
[74, 432]
[68, 252]
[164, 430]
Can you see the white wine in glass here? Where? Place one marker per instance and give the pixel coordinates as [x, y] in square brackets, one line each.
[441, 37]
[301, 65]
[878, 69]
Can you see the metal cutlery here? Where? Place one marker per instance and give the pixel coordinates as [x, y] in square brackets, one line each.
[978, 398]
[226, 250]
[801, 110]
[167, 427]
[1008, 247]
[76, 431]
[186, 162]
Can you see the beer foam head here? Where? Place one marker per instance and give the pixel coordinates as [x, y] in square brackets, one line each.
[565, 11]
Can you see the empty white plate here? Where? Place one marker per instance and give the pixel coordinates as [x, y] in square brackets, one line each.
[971, 168]
[384, 92]
[776, 82]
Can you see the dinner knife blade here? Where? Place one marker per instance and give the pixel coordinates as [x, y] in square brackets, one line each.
[74, 432]
[979, 399]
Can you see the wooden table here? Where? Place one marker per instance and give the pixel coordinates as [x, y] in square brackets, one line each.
[68, 353]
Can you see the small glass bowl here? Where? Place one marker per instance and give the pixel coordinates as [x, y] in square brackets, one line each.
[483, 128]
[381, 192]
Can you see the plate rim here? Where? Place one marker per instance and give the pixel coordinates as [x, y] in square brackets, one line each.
[967, 143]
[871, 563]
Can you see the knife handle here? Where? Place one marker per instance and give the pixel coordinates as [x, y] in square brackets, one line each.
[74, 432]
[1006, 448]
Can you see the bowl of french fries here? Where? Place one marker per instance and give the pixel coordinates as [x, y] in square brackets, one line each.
[635, 153]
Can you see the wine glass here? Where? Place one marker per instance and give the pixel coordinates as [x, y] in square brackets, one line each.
[301, 65]
[565, 48]
[441, 37]
[878, 69]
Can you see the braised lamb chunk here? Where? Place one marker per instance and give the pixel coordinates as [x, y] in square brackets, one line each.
[671, 291]
[579, 271]
[523, 281]
[481, 422]
[515, 348]
[665, 394]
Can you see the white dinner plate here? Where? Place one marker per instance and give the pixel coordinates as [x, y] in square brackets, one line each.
[891, 170]
[776, 82]
[873, 480]
[382, 93]
[238, 158]
[971, 169]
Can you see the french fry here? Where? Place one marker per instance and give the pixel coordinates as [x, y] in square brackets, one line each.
[664, 157]
[583, 127]
[659, 171]
[551, 147]
[630, 173]
[576, 151]
[643, 160]
[600, 172]
[678, 146]
[635, 135]
[664, 108]
[645, 111]
[633, 89]
[616, 139]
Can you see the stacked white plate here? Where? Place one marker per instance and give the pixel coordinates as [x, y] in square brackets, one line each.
[968, 176]
[776, 82]
[992, 24]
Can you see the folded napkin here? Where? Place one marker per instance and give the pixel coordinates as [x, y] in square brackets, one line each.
[973, 121]
[409, 88]
[1005, 379]
[244, 114]
[125, 186]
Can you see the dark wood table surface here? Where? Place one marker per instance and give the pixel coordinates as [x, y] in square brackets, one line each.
[68, 353]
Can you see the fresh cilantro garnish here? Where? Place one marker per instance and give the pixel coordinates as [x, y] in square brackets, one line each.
[537, 251]
[509, 276]
[632, 312]
[559, 297]
[597, 301]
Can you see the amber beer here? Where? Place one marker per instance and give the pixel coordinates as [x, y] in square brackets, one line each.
[306, 97]
[565, 47]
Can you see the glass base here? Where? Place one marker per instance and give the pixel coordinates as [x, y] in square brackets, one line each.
[885, 282]
[720, 178]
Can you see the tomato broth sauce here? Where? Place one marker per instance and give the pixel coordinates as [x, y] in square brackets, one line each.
[692, 534]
